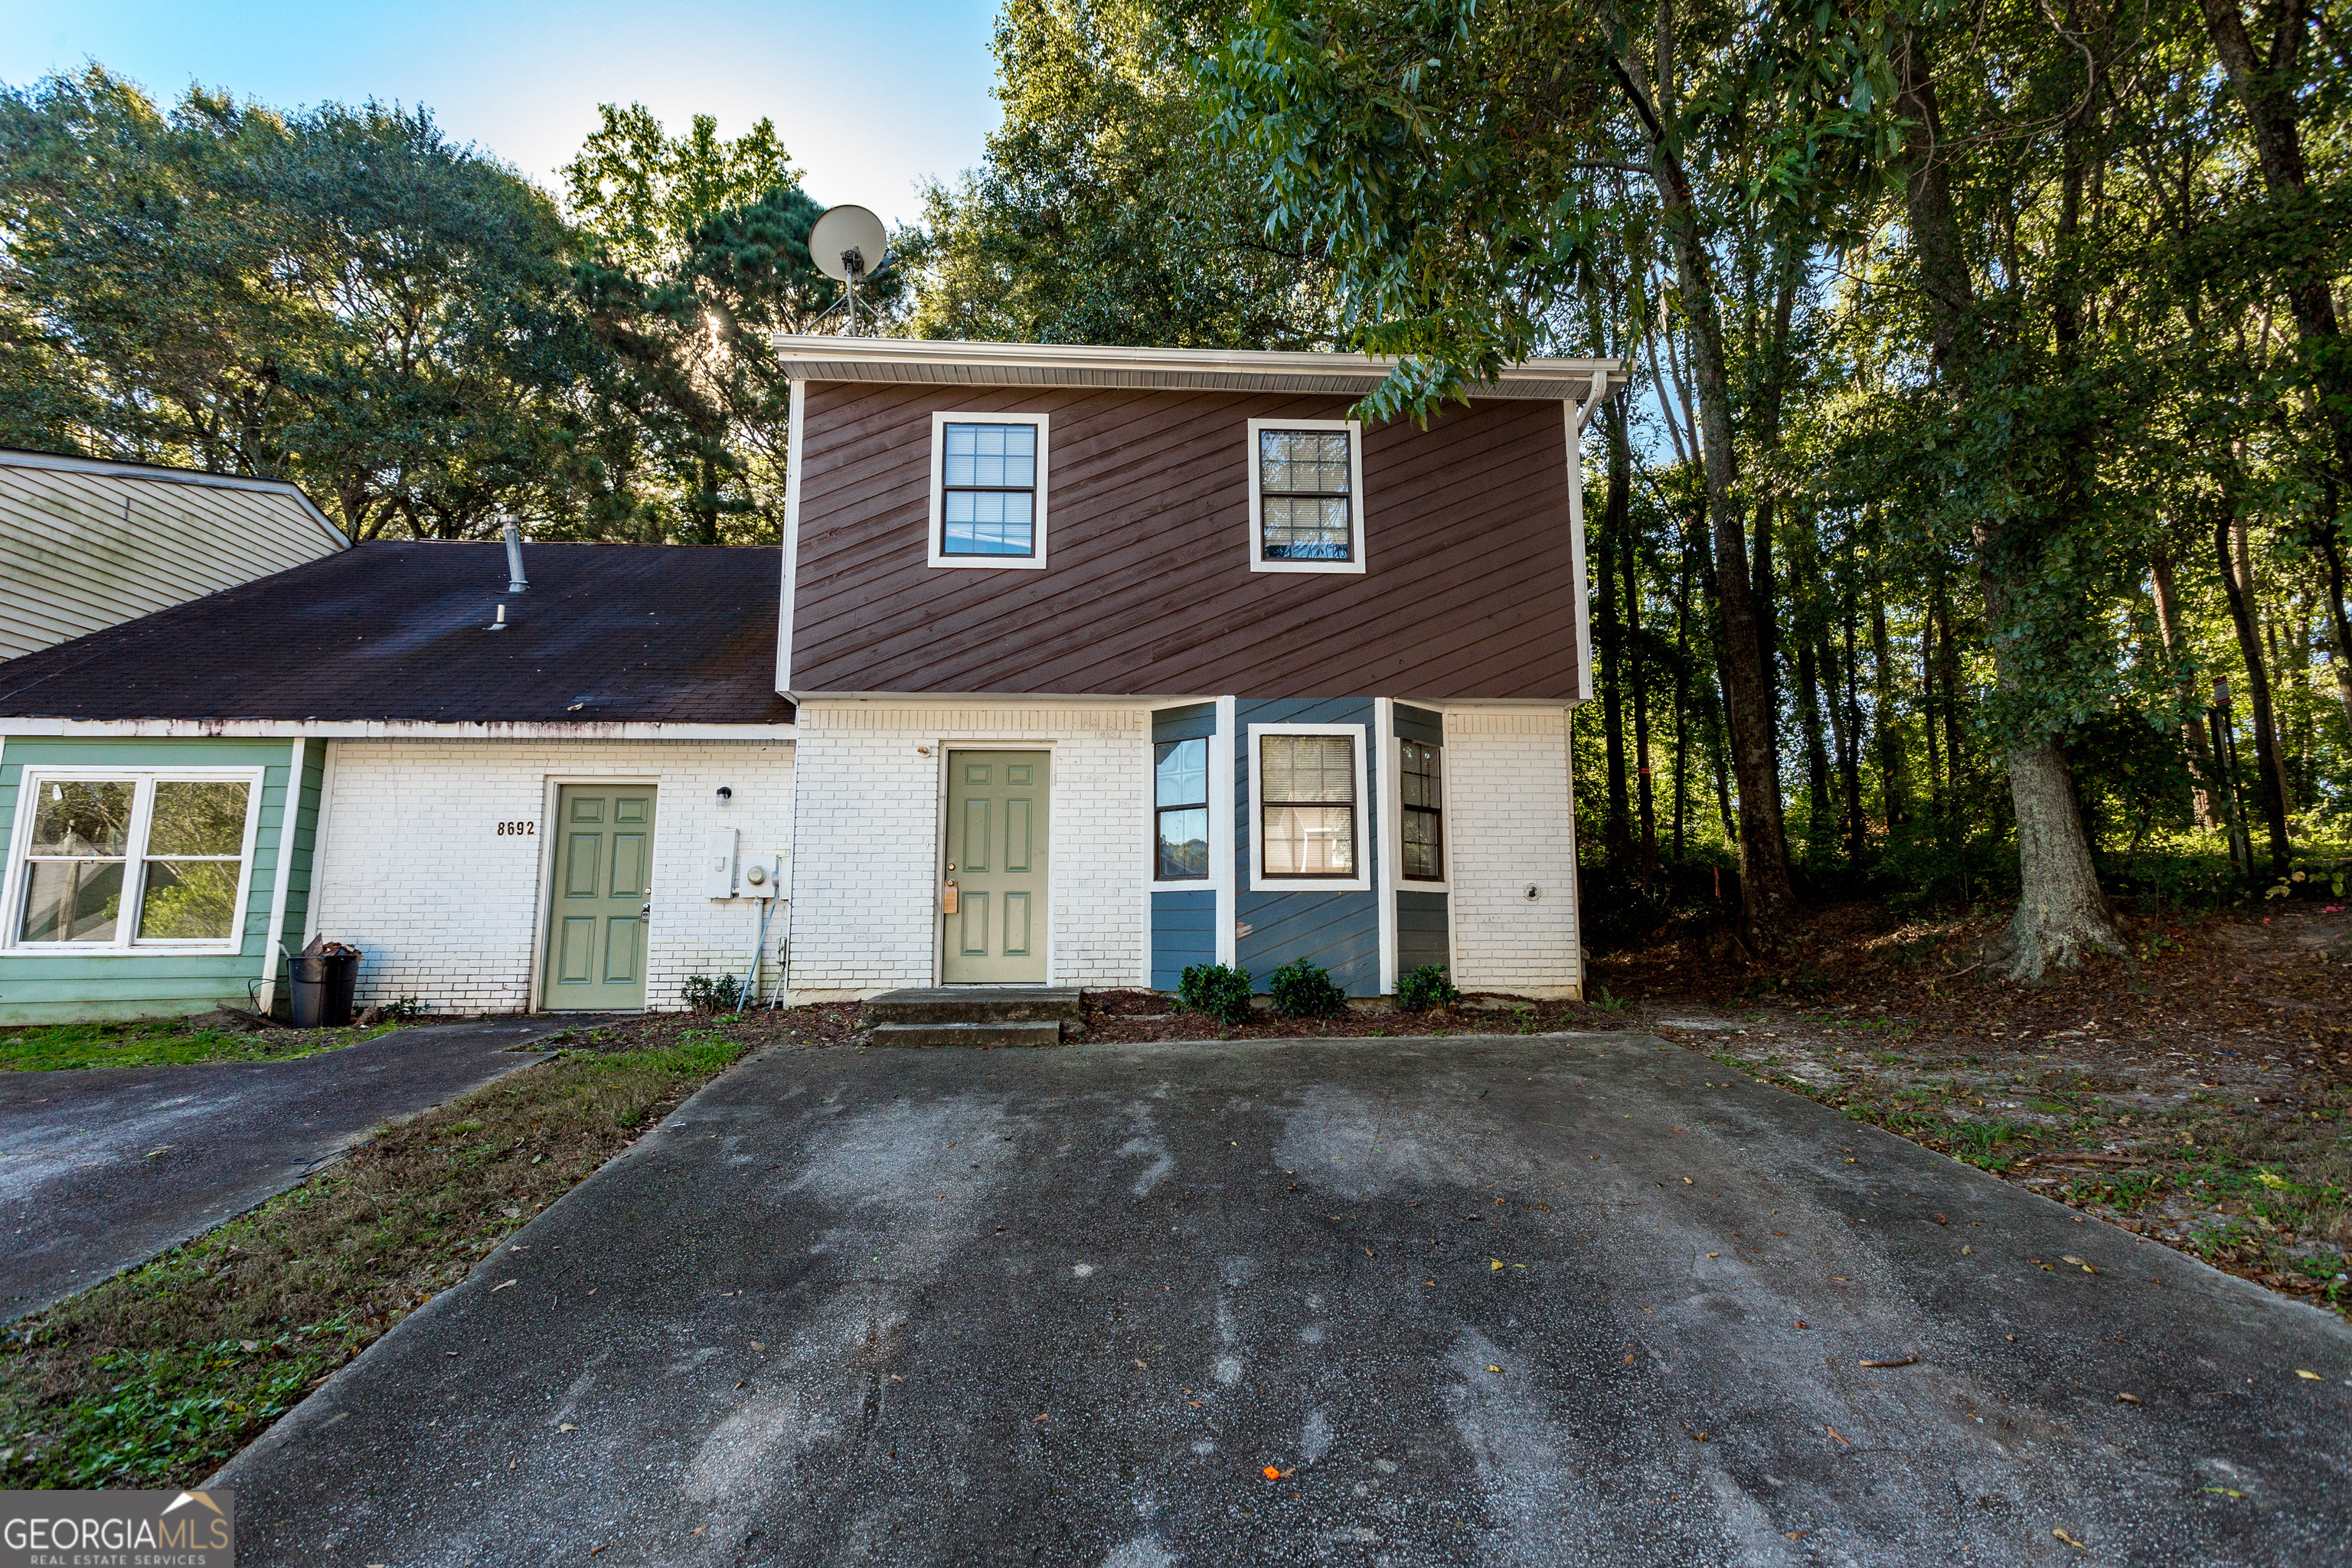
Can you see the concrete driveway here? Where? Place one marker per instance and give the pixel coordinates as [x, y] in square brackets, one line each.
[104, 1169]
[1562, 1300]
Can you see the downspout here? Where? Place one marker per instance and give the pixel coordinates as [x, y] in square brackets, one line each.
[287, 815]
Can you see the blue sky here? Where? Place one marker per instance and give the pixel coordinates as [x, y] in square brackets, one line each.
[867, 100]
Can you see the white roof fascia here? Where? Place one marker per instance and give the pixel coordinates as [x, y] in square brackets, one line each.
[953, 363]
[386, 730]
[10, 459]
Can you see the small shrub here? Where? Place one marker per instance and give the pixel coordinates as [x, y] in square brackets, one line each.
[1608, 1003]
[1219, 990]
[401, 1011]
[1426, 987]
[1304, 990]
[705, 995]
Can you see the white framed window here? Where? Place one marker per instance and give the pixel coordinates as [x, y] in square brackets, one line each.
[988, 490]
[1308, 822]
[116, 860]
[1307, 495]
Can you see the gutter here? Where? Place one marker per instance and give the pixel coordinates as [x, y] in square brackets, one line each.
[390, 729]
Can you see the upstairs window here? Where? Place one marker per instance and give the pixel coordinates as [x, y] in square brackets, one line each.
[1181, 807]
[1422, 786]
[1307, 482]
[988, 490]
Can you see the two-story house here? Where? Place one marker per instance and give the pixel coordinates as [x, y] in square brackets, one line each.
[1111, 662]
[1087, 665]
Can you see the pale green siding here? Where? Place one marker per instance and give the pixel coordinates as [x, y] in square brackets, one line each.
[50, 989]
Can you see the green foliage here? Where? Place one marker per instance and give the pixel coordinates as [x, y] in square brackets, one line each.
[1425, 988]
[339, 297]
[705, 995]
[1219, 990]
[693, 249]
[1102, 212]
[1305, 990]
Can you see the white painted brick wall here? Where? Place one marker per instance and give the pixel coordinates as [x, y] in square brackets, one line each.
[416, 874]
[865, 906]
[1511, 823]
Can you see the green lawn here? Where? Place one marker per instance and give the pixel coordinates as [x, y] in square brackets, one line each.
[48, 1048]
[159, 1374]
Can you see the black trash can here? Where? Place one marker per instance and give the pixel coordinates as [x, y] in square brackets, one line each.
[313, 988]
[343, 979]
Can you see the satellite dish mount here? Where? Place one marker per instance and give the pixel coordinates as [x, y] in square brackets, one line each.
[839, 243]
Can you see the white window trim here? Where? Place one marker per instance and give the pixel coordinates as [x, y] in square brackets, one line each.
[1355, 429]
[940, 422]
[1362, 882]
[134, 856]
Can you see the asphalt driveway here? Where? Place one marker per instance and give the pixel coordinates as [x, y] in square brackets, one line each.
[1561, 1299]
[104, 1169]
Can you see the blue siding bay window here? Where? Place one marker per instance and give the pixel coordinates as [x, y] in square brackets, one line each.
[1340, 930]
[1183, 918]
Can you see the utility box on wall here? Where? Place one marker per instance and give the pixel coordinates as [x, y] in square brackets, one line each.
[767, 874]
[719, 863]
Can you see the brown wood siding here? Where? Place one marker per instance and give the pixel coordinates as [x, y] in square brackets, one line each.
[1470, 590]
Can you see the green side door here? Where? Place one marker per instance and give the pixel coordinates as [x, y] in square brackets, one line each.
[996, 857]
[604, 879]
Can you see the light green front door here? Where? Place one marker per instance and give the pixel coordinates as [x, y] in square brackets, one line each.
[604, 879]
[996, 857]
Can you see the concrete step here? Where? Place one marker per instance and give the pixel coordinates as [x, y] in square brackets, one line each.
[973, 1004]
[1035, 1032]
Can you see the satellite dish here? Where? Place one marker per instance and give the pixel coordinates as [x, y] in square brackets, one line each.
[848, 240]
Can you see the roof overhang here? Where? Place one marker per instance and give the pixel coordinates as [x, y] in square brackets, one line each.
[386, 730]
[920, 360]
[150, 473]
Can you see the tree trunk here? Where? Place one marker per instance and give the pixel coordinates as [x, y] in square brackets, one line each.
[2061, 914]
[2331, 556]
[2193, 739]
[1894, 767]
[1948, 671]
[1769, 910]
[1621, 481]
[1927, 714]
[1616, 832]
[1682, 701]
[1818, 814]
[1857, 836]
[2268, 799]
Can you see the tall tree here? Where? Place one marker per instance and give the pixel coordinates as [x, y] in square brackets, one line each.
[342, 298]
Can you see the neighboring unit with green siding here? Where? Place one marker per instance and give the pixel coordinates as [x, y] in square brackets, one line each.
[50, 983]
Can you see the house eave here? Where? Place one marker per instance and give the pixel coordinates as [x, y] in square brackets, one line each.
[916, 361]
[390, 729]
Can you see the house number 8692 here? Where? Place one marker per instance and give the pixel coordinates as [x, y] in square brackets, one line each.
[507, 829]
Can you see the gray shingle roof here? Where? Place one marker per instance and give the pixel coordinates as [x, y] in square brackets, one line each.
[606, 634]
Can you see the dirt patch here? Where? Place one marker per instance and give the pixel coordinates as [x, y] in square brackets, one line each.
[1126, 1017]
[819, 1023]
[2201, 1094]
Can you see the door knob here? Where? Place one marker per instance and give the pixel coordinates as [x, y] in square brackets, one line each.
[647, 910]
